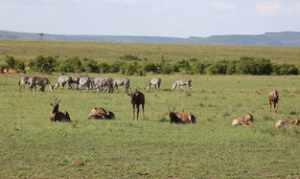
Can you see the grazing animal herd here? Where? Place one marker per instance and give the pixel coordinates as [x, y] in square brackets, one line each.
[137, 98]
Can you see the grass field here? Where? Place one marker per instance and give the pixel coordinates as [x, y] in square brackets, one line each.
[33, 147]
[107, 52]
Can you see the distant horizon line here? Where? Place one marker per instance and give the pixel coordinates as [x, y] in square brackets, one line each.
[159, 36]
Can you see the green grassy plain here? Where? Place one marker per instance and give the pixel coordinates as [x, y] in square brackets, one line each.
[107, 52]
[33, 147]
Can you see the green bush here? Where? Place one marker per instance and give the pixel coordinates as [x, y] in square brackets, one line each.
[43, 64]
[285, 69]
[71, 65]
[90, 66]
[104, 68]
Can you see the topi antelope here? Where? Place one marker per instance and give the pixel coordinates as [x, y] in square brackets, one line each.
[137, 100]
[286, 122]
[273, 98]
[243, 120]
[181, 117]
[100, 113]
[56, 115]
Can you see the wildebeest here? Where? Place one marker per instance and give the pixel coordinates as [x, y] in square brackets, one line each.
[35, 82]
[243, 120]
[85, 82]
[103, 84]
[137, 100]
[100, 113]
[23, 81]
[56, 115]
[273, 98]
[286, 122]
[121, 82]
[154, 83]
[182, 117]
[181, 84]
[63, 81]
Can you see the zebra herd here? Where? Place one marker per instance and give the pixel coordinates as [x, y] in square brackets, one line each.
[100, 84]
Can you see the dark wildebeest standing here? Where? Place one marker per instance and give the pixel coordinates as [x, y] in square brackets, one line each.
[103, 84]
[41, 82]
[154, 83]
[63, 81]
[56, 115]
[137, 99]
[273, 98]
[181, 84]
[100, 113]
[23, 81]
[182, 117]
[121, 82]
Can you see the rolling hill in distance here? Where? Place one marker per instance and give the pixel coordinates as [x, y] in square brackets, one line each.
[287, 38]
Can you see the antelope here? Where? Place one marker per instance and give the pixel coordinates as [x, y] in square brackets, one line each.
[100, 113]
[286, 122]
[58, 116]
[181, 117]
[273, 98]
[137, 100]
[245, 120]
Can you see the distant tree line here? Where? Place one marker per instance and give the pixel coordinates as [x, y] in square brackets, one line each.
[133, 65]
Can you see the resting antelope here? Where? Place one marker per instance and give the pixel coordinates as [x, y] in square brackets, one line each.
[58, 116]
[181, 117]
[286, 122]
[243, 120]
[100, 113]
[273, 100]
[137, 100]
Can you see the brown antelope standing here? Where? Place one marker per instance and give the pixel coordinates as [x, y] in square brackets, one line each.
[100, 113]
[273, 98]
[243, 120]
[58, 116]
[137, 100]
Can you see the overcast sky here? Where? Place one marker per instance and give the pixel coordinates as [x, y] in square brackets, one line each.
[181, 18]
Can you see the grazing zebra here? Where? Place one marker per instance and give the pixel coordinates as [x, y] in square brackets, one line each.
[63, 81]
[85, 82]
[181, 84]
[155, 83]
[41, 82]
[121, 82]
[103, 84]
[23, 81]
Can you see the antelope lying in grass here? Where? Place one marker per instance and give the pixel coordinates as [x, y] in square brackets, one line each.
[273, 98]
[245, 120]
[286, 123]
[100, 113]
[181, 117]
[58, 116]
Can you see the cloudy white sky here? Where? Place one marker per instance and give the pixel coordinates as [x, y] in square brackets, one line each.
[150, 17]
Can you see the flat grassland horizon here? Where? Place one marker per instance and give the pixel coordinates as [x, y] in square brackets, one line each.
[109, 52]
